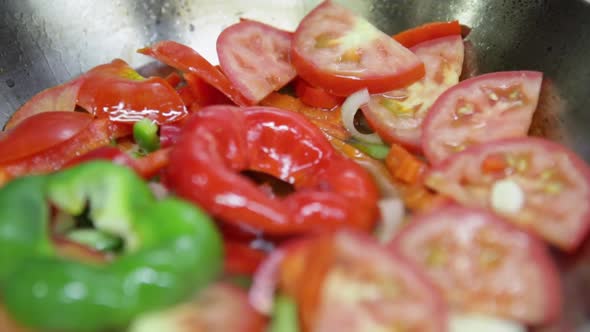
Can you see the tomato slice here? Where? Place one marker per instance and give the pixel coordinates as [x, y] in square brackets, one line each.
[397, 115]
[481, 109]
[428, 31]
[255, 58]
[316, 97]
[342, 53]
[188, 60]
[116, 91]
[543, 188]
[58, 98]
[368, 288]
[220, 307]
[484, 265]
[39, 132]
[98, 133]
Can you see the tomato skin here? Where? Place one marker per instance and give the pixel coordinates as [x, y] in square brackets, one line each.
[398, 115]
[562, 219]
[188, 60]
[480, 109]
[255, 58]
[316, 97]
[428, 31]
[377, 63]
[255, 139]
[451, 243]
[39, 132]
[116, 91]
[98, 133]
[204, 93]
[58, 98]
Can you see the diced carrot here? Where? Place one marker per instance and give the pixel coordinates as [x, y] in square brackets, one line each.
[329, 121]
[403, 165]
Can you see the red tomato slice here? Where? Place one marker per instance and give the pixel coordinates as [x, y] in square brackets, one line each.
[39, 132]
[484, 265]
[316, 97]
[342, 53]
[368, 288]
[98, 133]
[397, 115]
[116, 91]
[219, 308]
[543, 187]
[255, 58]
[428, 31]
[481, 109]
[188, 60]
[58, 98]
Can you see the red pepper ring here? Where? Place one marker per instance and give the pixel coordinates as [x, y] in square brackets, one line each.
[218, 142]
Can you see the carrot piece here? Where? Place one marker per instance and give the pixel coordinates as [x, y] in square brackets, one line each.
[329, 121]
[403, 165]
[429, 31]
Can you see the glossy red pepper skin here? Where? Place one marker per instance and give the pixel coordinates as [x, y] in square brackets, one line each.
[219, 142]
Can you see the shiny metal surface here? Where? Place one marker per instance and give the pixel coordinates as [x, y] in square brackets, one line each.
[46, 42]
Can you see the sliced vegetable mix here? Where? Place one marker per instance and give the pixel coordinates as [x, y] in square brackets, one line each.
[333, 178]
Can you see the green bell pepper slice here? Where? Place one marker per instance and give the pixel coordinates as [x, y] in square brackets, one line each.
[171, 249]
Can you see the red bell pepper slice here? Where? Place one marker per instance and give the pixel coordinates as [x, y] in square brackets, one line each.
[219, 142]
[428, 31]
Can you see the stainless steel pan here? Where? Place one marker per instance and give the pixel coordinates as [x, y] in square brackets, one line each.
[46, 42]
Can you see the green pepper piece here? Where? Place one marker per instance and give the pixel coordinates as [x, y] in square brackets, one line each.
[145, 133]
[95, 239]
[284, 315]
[171, 249]
[376, 151]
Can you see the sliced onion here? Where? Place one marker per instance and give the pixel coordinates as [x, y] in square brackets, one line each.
[392, 217]
[349, 108]
[481, 323]
[265, 282]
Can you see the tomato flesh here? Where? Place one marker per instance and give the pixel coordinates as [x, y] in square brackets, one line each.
[364, 287]
[58, 98]
[342, 53]
[552, 183]
[255, 58]
[397, 115]
[484, 265]
[481, 109]
[39, 132]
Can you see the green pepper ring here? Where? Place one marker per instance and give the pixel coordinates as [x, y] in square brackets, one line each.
[171, 250]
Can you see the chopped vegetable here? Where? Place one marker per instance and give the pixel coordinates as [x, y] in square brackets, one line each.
[145, 133]
[351, 105]
[220, 141]
[170, 248]
[284, 315]
[404, 166]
